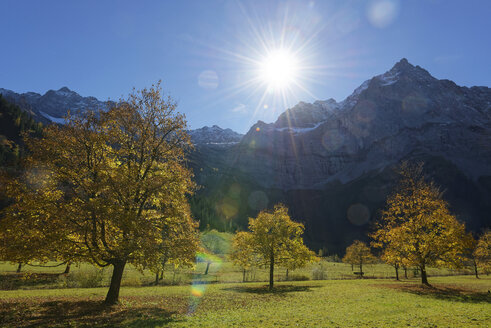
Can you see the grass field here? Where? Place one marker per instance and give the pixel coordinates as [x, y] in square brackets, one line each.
[458, 301]
[224, 272]
[39, 297]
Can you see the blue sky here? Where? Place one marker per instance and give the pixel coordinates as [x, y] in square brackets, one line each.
[206, 52]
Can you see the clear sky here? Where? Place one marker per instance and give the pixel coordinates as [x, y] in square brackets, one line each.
[210, 54]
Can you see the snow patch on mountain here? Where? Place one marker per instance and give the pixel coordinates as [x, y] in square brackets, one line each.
[388, 78]
[57, 120]
[299, 130]
[54, 104]
[214, 135]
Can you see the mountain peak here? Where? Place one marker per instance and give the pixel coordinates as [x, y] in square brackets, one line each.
[64, 89]
[403, 66]
[403, 63]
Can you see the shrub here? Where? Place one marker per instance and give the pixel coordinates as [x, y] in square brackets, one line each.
[297, 277]
[133, 281]
[84, 279]
[319, 272]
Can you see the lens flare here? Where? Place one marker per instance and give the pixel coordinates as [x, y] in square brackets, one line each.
[382, 13]
[358, 214]
[198, 286]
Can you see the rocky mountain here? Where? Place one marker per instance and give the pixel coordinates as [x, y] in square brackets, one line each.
[332, 162]
[53, 105]
[214, 135]
[384, 120]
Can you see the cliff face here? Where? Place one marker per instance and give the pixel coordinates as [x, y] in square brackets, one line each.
[389, 117]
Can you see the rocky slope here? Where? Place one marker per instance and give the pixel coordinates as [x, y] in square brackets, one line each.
[384, 120]
[53, 105]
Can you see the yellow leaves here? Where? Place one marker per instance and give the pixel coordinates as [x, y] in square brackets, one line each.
[273, 235]
[107, 185]
[416, 227]
[482, 251]
[357, 253]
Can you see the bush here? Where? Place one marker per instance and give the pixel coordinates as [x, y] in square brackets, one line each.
[319, 272]
[333, 258]
[297, 277]
[84, 279]
[133, 281]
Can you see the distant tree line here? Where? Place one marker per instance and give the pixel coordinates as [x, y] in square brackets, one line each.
[14, 122]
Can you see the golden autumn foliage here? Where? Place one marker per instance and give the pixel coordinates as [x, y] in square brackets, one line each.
[274, 239]
[358, 254]
[108, 187]
[416, 227]
[242, 251]
[482, 252]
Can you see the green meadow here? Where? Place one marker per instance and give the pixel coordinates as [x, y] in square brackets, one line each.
[42, 297]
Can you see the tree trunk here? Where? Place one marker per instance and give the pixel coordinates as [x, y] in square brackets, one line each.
[271, 271]
[397, 271]
[475, 269]
[243, 275]
[157, 278]
[286, 274]
[207, 267]
[112, 296]
[19, 267]
[361, 269]
[163, 268]
[351, 266]
[67, 269]
[405, 272]
[424, 278]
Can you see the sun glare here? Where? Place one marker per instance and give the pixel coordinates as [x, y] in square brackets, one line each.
[278, 69]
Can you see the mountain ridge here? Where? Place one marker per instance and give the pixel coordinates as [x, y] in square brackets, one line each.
[404, 98]
[53, 105]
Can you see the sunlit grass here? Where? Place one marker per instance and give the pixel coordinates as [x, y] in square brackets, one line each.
[460, 301]
[226, 272]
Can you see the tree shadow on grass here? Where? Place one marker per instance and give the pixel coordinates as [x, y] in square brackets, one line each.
[13, 281]
[447, 293]
[278, 290]
[81, 314]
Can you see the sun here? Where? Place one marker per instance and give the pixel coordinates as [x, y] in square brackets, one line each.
[278, 69]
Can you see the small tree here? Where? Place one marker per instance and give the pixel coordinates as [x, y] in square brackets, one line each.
[394, 258]
[274, 240]
[180, 242]
[482, 252]
[416, 227]
[243, 253]
[104, 188]
[358, 254]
